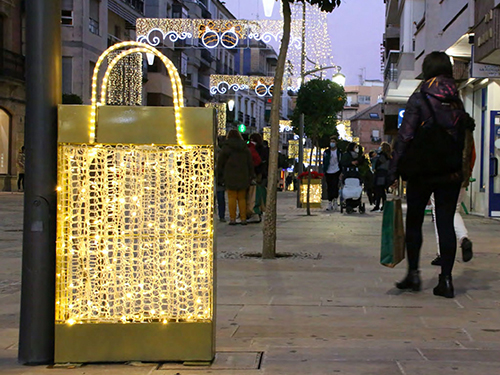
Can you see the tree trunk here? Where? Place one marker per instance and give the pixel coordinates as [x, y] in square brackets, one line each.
[269, 231]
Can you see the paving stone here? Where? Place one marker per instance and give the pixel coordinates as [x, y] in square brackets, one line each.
[340, 354]
[461, 355]
[323, 368]
[448, 368]
[368, 333]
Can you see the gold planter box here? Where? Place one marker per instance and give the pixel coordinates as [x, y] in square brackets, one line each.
[149, 342]
[314, 194]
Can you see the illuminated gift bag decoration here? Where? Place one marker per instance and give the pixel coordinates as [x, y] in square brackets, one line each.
[135, 238]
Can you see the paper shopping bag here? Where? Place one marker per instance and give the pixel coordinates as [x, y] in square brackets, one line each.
[392, 250]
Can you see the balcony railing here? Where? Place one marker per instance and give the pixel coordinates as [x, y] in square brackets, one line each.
[391, 66]
[113, 40]
[11, 65]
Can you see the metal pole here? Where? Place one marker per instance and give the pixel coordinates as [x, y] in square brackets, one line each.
[301, 123]
[43, 93]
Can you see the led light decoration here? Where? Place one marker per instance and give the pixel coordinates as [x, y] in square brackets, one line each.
[293, 149]
[266, 133]
[314, 193]
[261, 85]
[175, 80]
[318, 51]
[221, 116]
[286, 126]
[344, 130]
[230, 105]
[212, 33]
[134, 253]
[126, 80]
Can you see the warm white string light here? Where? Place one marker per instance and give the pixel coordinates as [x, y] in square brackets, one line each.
[178, 96]
[221, 116]
[135, 223]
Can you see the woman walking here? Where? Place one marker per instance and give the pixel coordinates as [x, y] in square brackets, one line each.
[428, 154]
[235, 171]
[381, 172]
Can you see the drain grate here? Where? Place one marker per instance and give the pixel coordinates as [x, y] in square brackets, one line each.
[223, 361]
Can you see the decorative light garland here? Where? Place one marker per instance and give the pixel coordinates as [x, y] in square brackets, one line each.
[261, 85]
[125, 80]
[221, 116]
[212, 33]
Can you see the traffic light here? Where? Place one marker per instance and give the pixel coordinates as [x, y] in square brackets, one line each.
[242, 128]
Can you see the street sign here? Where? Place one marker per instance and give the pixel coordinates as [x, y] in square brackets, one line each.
[401, 114]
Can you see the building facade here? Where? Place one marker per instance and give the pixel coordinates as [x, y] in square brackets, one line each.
[368, 126]
[12, 90]
[362, 97]
[468, 31]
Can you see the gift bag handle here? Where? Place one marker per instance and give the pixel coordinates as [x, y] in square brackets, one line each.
[139, 47]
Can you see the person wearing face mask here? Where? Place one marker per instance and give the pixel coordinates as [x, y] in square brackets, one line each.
[381, 172]
[351, 158]
[331, 169]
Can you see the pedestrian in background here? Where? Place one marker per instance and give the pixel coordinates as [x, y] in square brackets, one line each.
[331, 168]
[21, 160]
[220, 189]
[428, 154]
[380, 176]
[235, 170]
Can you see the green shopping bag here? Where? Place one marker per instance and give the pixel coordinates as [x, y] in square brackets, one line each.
[392, 250]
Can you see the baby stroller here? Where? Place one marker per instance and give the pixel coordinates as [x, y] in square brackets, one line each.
[351, 191]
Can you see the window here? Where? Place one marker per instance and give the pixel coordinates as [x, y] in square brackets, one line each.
[376, 136]
[67, 17]
[4, 141]
[374, 116]
[94, 16]
[67, 75]
[364, 99]
[184, 63]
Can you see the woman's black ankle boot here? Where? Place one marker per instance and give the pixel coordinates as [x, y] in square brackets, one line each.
[444, 287]
[411, 281]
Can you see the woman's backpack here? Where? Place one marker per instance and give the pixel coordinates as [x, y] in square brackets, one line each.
[434, 154]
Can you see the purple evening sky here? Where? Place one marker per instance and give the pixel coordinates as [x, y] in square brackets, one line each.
[355, 29]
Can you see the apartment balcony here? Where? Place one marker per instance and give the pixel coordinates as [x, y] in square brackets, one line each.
[112, 40]
[206, 59]
[391, 37]
[11, 65]
[391, 11]
[391, 70]
[487, 36]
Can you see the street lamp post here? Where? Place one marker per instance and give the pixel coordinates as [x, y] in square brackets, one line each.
[43, 94]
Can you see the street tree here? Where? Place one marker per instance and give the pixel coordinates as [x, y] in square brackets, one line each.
[269, 231]
[320, 100]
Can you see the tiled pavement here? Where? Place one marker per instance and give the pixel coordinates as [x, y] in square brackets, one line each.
[335, 311]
